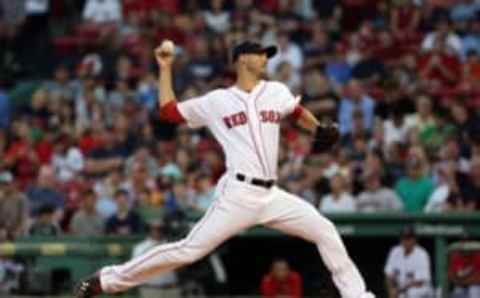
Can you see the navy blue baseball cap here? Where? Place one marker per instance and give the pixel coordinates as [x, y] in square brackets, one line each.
[408, 232]
[250, 47]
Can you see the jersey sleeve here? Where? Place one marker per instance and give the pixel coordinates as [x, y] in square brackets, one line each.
[195, 111]
[288, 102]
[390, 265]
[423, 267]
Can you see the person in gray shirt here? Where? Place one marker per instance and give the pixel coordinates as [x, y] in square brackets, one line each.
[87, 221]
[13, 208]
[377, 197]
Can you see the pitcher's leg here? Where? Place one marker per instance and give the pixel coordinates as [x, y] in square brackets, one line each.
[294, 216]
[216, 226]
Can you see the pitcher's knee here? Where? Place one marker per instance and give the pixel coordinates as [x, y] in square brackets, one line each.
[325, 228]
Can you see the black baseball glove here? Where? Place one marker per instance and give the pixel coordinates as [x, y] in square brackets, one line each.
[326, 136]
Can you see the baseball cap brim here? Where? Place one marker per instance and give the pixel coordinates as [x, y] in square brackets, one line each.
[270, 51]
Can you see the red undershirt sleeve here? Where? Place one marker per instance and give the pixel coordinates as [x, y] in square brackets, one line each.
[169, 112]
[297, 112]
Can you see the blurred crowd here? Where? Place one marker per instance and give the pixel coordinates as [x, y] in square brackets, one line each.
[85, 152]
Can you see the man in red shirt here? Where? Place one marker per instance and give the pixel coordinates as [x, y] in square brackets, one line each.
[464, 273]
[281, 282]
[439, 67]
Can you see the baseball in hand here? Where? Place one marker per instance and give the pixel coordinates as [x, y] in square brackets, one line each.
[167, 46]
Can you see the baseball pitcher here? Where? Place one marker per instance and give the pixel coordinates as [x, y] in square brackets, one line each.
[245, 119]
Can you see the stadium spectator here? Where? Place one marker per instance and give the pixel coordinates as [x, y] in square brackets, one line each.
[414, 189]
[201, 68]
[67, 159]
[61, 87]
[337, 69]
[423, 119]
[281, 281]
[102, 11]
[447, 187]
[407, 268]
[318, 94]
[19, 157]
[137, 182]
[166, 285]
[205, 193]
[376, 197]
[439, 67]
[285, 74]
[471, 189]
[45, 192]
[104, 158]
[11, 276]
[141, 158]
[180, 198]
[405, 20]
[464, 10]
[13, 208]
[217, 19]
[464, 271]
[5, 108]
[443, 35]
[339, 199]
[319, 49]
[471, 70]
[126, 221]
[86, 221]
[370, 67]
[45, 224]
[288, 52]
[471, 40]
[355, 99]
[105, 189]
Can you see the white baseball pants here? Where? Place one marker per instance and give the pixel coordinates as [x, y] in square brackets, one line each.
[239, 206]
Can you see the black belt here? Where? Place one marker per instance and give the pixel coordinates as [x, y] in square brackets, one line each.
[256, 181]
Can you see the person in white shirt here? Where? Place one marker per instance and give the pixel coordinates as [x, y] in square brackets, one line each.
[289, 52]
[339, 199]
[67, 159]
[217, 19]
[395, 128]
[102, 11]
[408, 269]
[443, 30]
[163, 286]
[37, 7]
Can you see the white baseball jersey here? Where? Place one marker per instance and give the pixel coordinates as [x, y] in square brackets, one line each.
[408, 268]
[247, 125]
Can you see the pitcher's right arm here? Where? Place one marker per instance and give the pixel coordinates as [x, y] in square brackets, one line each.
[164, 54]
[195, 112]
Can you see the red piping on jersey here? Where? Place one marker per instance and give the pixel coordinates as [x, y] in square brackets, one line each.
[297, 112]
[251, 134]
[169, 112]
[260, 127]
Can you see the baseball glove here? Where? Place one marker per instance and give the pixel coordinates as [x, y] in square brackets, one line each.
[326, 136]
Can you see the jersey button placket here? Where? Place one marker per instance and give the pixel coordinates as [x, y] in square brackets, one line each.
[255, 127]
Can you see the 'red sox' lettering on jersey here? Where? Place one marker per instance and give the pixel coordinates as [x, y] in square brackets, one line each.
[235, 119]
[270, 116]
